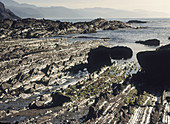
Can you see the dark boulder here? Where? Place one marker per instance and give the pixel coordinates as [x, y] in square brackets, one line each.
[92, 113]
[59, 99]
[120, 52]
[98, 57]
[136, 21]
[164, 47]
[101, 56]
[150, 42]
[156, 65]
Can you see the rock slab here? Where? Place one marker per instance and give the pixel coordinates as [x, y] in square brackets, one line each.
[150, 42]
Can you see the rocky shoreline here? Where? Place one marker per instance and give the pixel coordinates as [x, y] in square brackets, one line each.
[34, 28]
[30, 68]
[36, 82]
[38, 86]
[58, 81]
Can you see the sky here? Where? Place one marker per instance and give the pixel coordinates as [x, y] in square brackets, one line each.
[151, 5]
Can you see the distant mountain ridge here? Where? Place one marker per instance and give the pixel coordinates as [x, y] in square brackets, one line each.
[59, 12]
[6, 13]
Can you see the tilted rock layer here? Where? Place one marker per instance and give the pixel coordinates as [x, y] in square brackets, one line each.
[33, 28]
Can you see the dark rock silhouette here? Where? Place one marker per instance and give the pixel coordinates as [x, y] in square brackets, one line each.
[92, 113]
[120, 52]
[136, 21]
[156, 65]
[101, 56]
[98, 57]
[59, 99]
[150, 42]
[6, 13]
[164, 47]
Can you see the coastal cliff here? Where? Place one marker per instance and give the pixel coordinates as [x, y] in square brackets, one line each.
[6, 13]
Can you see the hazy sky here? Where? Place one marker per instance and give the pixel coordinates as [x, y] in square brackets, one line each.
[152, 5]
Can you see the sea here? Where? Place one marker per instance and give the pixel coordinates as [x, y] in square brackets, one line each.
[155, 28]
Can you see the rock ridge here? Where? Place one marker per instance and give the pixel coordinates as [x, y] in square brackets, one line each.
[38, 28]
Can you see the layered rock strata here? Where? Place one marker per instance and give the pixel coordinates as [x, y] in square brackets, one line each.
[34, 28]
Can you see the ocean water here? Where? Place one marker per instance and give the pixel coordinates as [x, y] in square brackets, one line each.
[158, 28]
[155, 28]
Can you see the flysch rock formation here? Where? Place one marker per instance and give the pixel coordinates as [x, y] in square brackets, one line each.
[36, 86]
[34, 28]
[30, 68]
[37, 83]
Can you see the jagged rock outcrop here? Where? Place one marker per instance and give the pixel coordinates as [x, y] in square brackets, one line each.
[48, 101]
[6, 13]
[31, 70]
[150, 42]
[156, 65]
[101, 56]
[34, 28]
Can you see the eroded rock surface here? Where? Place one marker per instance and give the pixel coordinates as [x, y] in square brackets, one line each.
[36, 86]
[33, 28]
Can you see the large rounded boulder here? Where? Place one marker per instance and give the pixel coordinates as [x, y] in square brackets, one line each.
[97, 58]
[120, 52]
[102, 56]
[156, 64]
